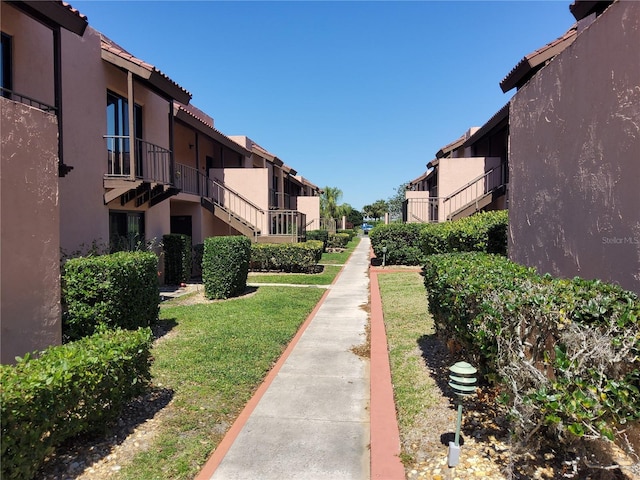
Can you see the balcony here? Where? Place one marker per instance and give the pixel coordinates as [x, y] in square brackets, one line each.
[24, 99]
[146, 177]
[152, 162]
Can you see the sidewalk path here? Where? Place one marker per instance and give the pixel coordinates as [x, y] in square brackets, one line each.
[310, 419]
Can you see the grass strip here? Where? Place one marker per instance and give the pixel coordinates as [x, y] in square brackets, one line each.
[327, 276]
[407, 319]
[213, 359]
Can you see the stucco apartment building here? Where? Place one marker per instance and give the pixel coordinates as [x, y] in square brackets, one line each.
[101, 148]
[467, 176]
[568, 143]
[574, 158]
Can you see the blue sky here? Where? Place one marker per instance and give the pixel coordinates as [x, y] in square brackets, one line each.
[355, 95]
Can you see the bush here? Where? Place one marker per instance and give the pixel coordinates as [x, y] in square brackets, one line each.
[402, 241]
[117, 290]
[70, 389]
[338, 240]
[286, 257]
[322, 235]
[483, 232]
[350, 231]
[225, 266]
[177, 258]
[567, 352]
[198, 252]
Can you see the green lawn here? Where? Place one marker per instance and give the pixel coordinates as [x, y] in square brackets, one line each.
[407, 319]
[213, 359]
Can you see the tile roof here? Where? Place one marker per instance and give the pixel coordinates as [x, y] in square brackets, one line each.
[450, 147]
[204, 123]
[532, 62]
[75, 11]
[499, 116]
[159, 78]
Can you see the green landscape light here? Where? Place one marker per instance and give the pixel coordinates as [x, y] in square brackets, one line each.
[463, 383]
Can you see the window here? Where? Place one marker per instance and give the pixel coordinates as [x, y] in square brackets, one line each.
[6, 63]
[126, 231]
[118, 144]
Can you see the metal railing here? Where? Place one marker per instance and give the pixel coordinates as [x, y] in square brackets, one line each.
[483, 185]
[190, 180]
[287, 222]
[26, 100]
[423, 210]
[152, 163]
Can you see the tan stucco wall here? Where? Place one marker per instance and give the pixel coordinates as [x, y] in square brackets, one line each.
[251, 183]
[310, 206]
[575, 157]
[29, 212]
[417, 206]
[32, 54]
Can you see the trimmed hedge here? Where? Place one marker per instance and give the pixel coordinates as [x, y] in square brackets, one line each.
[225, 266]
[567, 352]
[322, 235]
[482, 232]
[177, 258]
[350, 231]
[70, 389]
[286, 257]
[338, 240]
[402, 241]
[117, 290]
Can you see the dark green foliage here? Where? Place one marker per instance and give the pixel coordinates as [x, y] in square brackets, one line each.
[566, 351]
[74, 388]
[483, 232]
[177, 258]
[198, 252]
[286, 257]
[322, 235]
[117, 290]
[402, 241]
[338, 240]
[225, 266]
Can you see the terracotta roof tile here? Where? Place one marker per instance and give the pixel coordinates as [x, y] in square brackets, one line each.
[72, 10]
[110, 46]
[526, 67]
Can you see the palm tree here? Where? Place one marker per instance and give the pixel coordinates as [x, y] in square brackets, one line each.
[329, 202]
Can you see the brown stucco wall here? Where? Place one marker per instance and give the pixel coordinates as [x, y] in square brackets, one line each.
[30, 256]
[575, 157]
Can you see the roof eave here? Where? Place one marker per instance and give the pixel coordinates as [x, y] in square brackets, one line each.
[57, 13]
[155, 78]
[196, 124]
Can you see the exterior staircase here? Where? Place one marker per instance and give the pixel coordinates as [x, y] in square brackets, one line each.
[477, 194]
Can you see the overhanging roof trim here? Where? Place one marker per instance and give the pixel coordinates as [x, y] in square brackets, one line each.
[184, 115]
[497, 117]
[57, 12]
[583, 8]
[450, 147]
[526, 67]
[419, 179]
[118, 56]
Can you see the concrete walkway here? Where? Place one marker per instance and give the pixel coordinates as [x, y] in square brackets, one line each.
[310, 419]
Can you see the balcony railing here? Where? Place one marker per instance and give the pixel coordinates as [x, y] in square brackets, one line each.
[152, 163]
[32, 102]
[423, 210]
[190, 180]
[287, 222]
[475, 189]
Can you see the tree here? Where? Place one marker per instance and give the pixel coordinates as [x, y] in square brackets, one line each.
[329, 202]
[376, 210]
[354, 217]
[395, 202]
